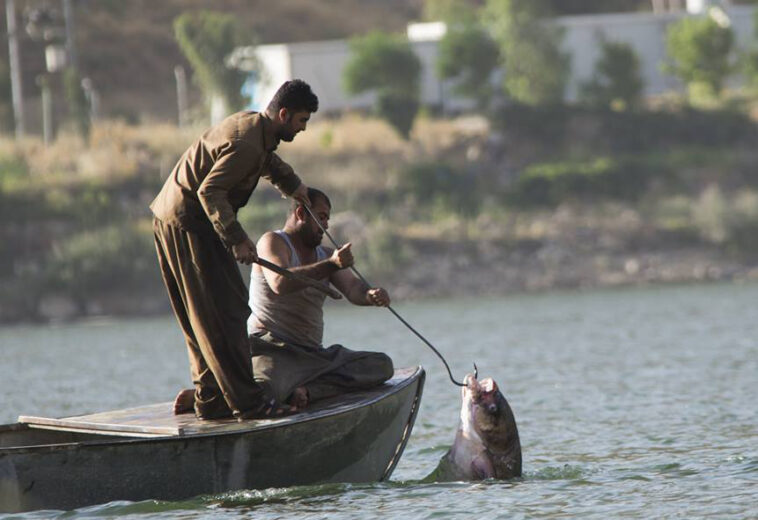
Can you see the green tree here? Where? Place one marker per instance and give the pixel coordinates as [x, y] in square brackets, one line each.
[617, 81]
[468, 55]
[536, 70]
[206, 39]
[700, 49]
[387, 65]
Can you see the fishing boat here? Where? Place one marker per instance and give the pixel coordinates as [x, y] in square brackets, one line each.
[148, 453]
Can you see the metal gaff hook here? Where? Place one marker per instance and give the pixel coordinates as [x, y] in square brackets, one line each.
[359, 275]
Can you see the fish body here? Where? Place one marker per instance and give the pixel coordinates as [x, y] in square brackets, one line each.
[487, 442]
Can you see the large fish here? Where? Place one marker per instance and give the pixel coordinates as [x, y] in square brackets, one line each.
[487, 442]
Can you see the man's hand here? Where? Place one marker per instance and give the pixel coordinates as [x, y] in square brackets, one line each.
[245, 252]
[342, 257]
[378, 297]
[301, 195]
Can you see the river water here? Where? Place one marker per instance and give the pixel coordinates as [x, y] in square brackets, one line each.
[636, 403]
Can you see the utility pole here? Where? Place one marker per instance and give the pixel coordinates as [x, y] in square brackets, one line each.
[15, 68]
[68, 17]
[181, 95]
[43, 80]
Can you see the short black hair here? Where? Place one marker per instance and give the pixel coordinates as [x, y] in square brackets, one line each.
[294, 95]
[313, 194]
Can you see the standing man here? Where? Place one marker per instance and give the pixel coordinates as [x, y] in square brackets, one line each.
[199, 240]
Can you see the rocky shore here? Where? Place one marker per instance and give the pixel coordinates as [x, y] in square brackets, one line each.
[466, 269]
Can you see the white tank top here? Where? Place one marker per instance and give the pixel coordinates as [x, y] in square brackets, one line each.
[295, 317]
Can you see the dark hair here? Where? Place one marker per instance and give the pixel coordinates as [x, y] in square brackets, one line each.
[313, 194]
[295, 95]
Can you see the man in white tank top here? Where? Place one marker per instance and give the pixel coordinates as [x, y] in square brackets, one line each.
[286, 324]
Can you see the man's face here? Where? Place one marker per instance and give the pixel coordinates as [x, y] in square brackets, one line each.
[312, 234]
[293, 123]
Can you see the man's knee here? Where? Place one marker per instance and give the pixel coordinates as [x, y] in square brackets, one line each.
[384, 366]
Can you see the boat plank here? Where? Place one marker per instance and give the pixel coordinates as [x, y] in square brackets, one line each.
[158, 420]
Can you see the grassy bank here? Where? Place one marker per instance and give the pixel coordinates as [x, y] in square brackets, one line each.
[532, 199]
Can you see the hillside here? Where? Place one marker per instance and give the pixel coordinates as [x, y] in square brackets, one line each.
[526, 198]
[529, 200]
[128, 48]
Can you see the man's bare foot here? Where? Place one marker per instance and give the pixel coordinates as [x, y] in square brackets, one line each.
[184, 402]
[299, 398]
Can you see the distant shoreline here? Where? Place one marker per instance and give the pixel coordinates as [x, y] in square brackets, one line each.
[483, 274]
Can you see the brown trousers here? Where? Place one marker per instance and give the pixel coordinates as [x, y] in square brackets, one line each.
[209, 299]
[281, 367]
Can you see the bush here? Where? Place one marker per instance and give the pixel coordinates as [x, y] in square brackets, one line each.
[434, 184]
[617, 81]
[88, 204]
[469, 56]
[399, 110]
[549, 184]
[700, 49]
[610, 132]
[742, 225]
[14, 173]
[206, 39]
[384, 252]
[536, 70]
[110, 259]
[387, 65]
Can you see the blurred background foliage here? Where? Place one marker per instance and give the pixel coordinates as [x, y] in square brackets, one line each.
[513, 172]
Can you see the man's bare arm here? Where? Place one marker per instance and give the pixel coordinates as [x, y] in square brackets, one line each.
[358, 292]
[273, 248]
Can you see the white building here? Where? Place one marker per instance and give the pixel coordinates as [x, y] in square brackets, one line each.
[646, 34]
[321, 64]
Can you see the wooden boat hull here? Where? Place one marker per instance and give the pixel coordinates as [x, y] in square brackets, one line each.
[356, 438]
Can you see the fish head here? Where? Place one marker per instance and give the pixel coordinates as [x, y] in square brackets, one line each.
[487, 419]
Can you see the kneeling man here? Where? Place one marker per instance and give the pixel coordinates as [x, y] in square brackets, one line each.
[286, 325]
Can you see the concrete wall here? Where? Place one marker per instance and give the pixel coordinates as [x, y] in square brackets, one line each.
[321, 63]
[645, 33]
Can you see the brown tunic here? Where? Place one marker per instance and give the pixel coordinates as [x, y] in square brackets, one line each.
[195, 225]
[216, 175]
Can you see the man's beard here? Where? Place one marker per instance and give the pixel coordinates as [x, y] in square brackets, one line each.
[286, 133]
[313, 239]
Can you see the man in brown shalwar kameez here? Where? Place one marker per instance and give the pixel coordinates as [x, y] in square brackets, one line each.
[199, 240]
[286, 323]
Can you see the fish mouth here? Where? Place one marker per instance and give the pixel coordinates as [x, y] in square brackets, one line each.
[479, 391]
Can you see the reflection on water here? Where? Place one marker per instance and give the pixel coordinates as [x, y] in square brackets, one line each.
[629, 403]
